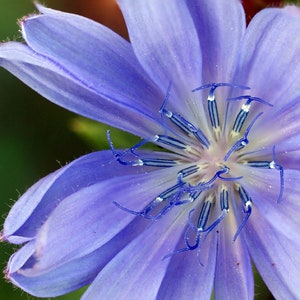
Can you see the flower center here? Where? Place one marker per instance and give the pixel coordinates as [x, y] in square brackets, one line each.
[209, 164]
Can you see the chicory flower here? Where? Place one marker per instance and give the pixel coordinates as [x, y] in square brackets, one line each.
[224, 103]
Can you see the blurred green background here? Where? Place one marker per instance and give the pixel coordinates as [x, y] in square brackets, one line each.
[37, 137]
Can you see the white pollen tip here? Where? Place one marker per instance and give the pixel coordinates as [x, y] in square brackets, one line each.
[248, 204]
[211, 98]
[139, 163]
[246, 107]
[159, 199]
[168, 114]
[272, 165]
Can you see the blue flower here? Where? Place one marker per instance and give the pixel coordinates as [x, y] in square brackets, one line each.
[222, 100]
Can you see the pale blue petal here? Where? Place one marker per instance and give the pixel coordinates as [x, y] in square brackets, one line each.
[61, 279]
[275, 255]
[289, 159]
[190, 275]
[19, 258]
[221, 26]
[91, 212]
[264, 187]
[165, 41]
[58, 281]
[139, 266]
[31, 210]
[234, 274]
[58, 85]
[281, 126]
[270, 55]
[95, 55]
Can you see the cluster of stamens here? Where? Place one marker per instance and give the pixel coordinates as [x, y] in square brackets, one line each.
[196, 177]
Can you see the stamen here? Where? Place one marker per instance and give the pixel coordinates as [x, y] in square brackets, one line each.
[212, 104]
[224, 198]
[242, 142]
[150, 162]
[213, 111]
[224, 208]
[247, 209]
[173, 193]
[243, 113]
[168, 193]
[157, 162]
[204, 214]
[201, 223]
[183, 124]
[167, 140]
[187, 172]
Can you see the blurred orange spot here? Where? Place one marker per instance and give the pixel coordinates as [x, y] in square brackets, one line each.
[106, 12]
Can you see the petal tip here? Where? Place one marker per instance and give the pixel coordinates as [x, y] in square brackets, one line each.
[6, 274]
[2, 237]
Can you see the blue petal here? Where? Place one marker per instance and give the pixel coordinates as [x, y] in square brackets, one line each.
[275, 255]
[290, 159]
[58, 85]
[81, 235]
[92, 213]
[18, 259]
[234, 274]
[269, 57]
[71, 275]
[264, 187]
[60, 280]
[268, 67]
[190, 275]
[165, 42]
[220, 36]
[139, 268]
[281, 126]
[31, 210]
[96, 56]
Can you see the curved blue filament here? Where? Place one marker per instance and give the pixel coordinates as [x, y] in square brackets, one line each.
[193, 195]
[250, 99]
[224, 170]
[215, 85]
[271, 165]
[247, 209]
[278, 167]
